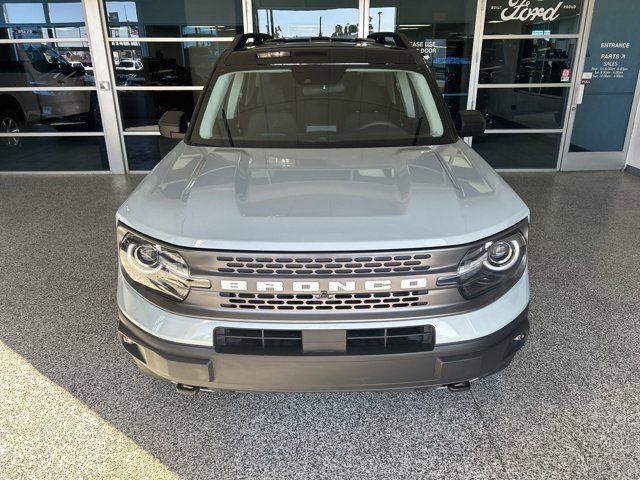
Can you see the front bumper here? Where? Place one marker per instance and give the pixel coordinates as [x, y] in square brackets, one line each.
[203, 367]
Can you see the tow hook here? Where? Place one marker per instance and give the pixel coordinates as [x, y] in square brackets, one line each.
[186, 389]
[459, 387]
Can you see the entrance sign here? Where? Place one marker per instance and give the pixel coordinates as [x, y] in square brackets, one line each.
[613, 61]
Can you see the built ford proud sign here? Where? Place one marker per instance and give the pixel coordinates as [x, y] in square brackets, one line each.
[539, 12]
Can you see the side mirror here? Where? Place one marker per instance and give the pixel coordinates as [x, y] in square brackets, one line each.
[470, 123]
[173, 124]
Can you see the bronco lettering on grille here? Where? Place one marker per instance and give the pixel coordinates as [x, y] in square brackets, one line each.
[318, 287]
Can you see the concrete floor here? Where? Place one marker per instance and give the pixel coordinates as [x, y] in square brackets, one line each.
[72, 404]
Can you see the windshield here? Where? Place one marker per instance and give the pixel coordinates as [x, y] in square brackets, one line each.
[319, 106]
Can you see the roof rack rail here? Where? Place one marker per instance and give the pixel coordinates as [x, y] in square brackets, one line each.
[315, 39]
[399, 39]
[240, 41]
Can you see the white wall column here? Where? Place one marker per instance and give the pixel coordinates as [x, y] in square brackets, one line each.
[633, 155]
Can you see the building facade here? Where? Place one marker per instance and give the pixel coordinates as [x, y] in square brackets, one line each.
[83, 83]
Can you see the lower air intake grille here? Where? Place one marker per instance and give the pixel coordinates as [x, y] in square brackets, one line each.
[375, 341]
[258, 342]
[390, 340]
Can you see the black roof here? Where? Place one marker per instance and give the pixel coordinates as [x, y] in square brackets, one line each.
[377, 48]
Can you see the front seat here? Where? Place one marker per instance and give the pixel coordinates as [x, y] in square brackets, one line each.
[273, 117]
[373, 105]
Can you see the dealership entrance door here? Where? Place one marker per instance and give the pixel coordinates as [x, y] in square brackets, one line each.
[604, 94]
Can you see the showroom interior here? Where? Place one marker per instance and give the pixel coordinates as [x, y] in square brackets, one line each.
[539, 87]
[83, 84]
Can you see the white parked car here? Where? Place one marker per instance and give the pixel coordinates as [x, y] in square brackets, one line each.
[129, 66]
[322, 226]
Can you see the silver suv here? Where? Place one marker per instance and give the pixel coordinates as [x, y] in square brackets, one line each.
[322, 226]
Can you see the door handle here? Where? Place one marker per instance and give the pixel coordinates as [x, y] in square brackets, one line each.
[579, 95]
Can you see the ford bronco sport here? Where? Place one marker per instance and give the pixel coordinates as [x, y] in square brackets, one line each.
[322, 226]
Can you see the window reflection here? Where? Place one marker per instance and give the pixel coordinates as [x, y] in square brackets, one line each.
[526, 61]
[49, 111]
[165, 63]
[174, 18]
[512, 108]
[65, 12]
[45, 65]
[280, 18]
[15, 12]
[144, 152]
[53, 154]
[519, 150]
[50, 19]
[141, 110]
[442, 31]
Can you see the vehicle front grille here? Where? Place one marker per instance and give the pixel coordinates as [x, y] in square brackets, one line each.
[319, 286]
[317, 265]
[374, 341]
[341, 301]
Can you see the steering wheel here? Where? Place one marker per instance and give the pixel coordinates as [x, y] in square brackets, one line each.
[379, 123]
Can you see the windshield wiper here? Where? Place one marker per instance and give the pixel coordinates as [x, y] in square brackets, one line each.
[415, 136]
[226, 126]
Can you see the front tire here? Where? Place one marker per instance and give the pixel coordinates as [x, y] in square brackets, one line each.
[9, 123]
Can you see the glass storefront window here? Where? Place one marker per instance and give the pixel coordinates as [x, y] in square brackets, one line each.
[442, 31]
[144, 152]
[50, 19]
[524, 17]
[49, 111]
[53, 153]
[141, 111]
[165, 63]
[519, 150]
[174, 18]
[45, 65]
[516, 108]
[534, 60]
[330, 18]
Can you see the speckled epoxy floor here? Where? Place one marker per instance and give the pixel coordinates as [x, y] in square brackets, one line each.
[568, 407]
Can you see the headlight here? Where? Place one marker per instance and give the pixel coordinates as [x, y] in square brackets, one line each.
[496, 264]
[502, 255]
[155, 267]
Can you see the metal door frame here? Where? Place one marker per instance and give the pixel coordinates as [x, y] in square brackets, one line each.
[100, 59]
[593, 160]
[474, 84]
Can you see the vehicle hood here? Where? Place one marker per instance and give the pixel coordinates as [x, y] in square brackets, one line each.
[322, 199]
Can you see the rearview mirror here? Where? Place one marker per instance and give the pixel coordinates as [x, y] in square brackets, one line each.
[173, 125]
[470, 123]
